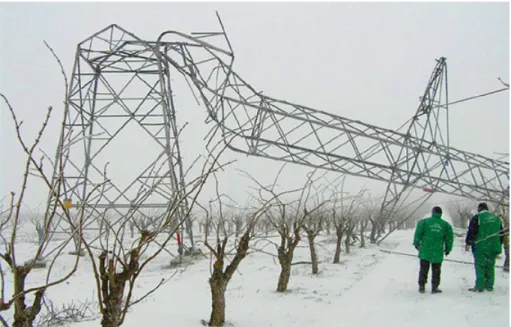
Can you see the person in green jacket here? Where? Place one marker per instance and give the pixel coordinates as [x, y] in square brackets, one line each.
[433, 237]
[485, 237]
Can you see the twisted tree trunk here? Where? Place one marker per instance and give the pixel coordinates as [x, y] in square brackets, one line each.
[220, 279]
[113, 285]
[24, 316]
[218, 286]
[285, 256]
[285, 273]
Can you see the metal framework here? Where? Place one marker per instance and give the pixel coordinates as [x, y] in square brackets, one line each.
[426, 126]
[117, 80]
[255, 124]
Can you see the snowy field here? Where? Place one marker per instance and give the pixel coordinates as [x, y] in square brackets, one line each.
[368, 288]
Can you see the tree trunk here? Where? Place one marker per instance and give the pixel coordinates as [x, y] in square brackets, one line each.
[218, 286]
[314, 256]
[285, 273]
[285, 259]
[20, 319]
[337, 253]
[347, 240]
[362, 237]
[23, 316]
[238, 228]
[113, 303]
[113, 286]
[374, 228]
[207, 227]
[77, 243]
[381, 230]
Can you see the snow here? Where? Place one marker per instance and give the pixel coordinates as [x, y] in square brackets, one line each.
[368, 288]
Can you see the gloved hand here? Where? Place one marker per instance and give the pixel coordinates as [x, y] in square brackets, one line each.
[446, 253]
[467, 247]
[417, 247]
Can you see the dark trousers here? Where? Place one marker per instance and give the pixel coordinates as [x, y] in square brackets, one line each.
[424, 270]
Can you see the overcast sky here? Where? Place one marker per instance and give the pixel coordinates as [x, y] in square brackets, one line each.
[364, 61]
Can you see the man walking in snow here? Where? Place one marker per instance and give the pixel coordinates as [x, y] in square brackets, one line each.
[433, 237]
[485, 237]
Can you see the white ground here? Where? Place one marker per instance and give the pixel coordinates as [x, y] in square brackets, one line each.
[368, 288]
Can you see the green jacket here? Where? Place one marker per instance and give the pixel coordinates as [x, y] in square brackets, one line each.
[488, 234]
[433, 236]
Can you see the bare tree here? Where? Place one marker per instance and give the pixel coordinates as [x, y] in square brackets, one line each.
[339, 223]
[24, 315]
[376, 224]
[288, 219]
[315, 223]
[144, 221]
[120, 263]
[327, 219]
[36, 218]
[461, 213]
[368, 211]
[238, 220]
[221, 273]
[343, 215]
[349, 226]
[69, 230]
[312, 227]
[206, 223]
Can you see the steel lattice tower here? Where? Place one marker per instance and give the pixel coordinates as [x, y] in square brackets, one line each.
[117, 80]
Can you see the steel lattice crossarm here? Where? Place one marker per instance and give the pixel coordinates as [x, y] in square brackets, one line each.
[279, 130]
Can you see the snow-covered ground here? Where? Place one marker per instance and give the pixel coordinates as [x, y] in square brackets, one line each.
[368, 288]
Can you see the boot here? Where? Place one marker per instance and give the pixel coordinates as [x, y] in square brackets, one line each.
[422, 289]
[474, 289]
[436, 290]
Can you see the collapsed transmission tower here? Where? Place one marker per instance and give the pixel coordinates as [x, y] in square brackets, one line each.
[258, 125]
